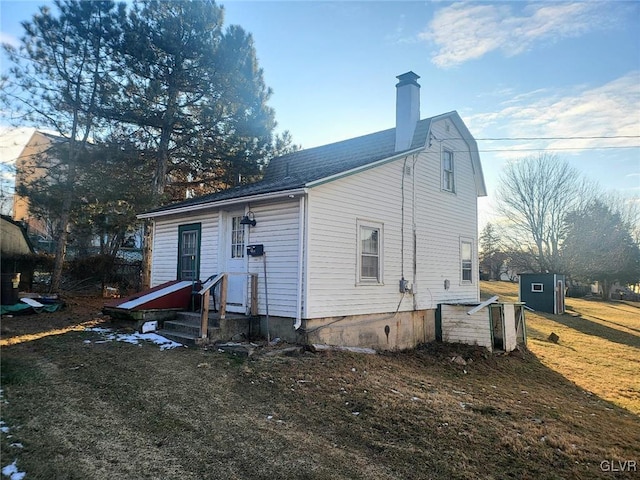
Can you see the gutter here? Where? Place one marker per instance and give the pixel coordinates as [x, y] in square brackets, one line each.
[222, 203]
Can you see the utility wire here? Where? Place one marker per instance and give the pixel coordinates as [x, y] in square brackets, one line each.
[510, 139]
[551, 149]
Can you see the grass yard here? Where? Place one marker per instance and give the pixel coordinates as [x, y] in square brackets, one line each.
[76, 405]
[599, 346]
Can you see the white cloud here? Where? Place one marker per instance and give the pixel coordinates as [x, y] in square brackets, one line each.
[611, 109]
[466, 31]
[9, 39]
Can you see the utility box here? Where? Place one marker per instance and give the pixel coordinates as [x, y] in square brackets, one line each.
[543, 292]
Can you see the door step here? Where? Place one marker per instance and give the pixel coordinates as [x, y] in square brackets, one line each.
[185, 329]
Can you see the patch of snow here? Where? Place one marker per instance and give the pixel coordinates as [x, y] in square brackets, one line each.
[12, 471]
[3, 427]
[17, 445]
[97, 329]
[135, 338]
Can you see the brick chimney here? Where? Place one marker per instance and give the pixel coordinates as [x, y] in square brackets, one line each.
[407, 109]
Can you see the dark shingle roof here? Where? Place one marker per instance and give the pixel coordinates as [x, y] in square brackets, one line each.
[297, 169]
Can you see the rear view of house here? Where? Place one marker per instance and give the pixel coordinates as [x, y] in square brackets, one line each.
[353, 243]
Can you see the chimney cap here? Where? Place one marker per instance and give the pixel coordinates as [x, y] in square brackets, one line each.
[408, 79]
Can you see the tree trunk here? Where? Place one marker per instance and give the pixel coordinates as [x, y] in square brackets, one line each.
[605, 290]
[61, 249]
[147, 251]
[63, 235]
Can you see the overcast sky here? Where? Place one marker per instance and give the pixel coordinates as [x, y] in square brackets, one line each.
[541, 73]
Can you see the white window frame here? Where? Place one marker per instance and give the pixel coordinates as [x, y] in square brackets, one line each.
[360, 226]
[537, 287]
[464, 262]
[238, 235]
[448, 173]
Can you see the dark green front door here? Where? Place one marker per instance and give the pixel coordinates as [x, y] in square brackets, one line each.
[189, 251]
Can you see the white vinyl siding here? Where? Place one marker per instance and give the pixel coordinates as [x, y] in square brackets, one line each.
[442, 219]
[335, 209]
[377, 195]
[164, 267]
[277, 228]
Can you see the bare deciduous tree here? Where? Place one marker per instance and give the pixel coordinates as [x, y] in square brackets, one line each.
[535, 195]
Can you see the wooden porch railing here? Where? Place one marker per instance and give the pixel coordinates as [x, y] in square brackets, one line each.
[205, 293]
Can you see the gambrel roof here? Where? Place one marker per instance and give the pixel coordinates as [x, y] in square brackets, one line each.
[303, 168]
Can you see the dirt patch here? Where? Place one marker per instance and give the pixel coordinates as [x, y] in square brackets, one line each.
[82, 407]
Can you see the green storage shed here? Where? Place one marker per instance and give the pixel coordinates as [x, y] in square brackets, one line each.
[543, 292]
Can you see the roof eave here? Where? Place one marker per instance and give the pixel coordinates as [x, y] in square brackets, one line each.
[223, 203]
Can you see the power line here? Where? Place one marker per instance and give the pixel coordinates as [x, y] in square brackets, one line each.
[553, 149]
[510, 139]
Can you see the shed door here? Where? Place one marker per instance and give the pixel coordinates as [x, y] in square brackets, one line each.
[559, 297]
[497, 326]
[234, 256]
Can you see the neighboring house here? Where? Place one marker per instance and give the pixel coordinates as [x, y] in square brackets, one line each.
[362, 239]
[13, 238]
[32, 164]
[15, 247]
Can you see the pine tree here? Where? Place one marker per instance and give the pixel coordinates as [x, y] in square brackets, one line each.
[59, 80]
[599, 247]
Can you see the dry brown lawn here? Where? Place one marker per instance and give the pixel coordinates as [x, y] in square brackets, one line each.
[599, 346]
[76, 408]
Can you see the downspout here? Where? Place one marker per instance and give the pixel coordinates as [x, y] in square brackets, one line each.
[414, 231]
[301, 237]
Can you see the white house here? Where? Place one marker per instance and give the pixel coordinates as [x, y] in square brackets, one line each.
[362, 239]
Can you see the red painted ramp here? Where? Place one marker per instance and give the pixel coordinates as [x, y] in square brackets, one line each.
[170, 295]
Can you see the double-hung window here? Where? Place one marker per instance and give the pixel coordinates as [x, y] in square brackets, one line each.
[466, 261]
[448, 178]
[369, 260]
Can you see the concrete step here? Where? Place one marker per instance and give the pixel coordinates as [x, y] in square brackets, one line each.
[180, 337]
[182, 326]
[195, 317]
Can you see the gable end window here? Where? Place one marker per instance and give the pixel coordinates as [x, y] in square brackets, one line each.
[369, 259]
[448, 178]
[466, 261]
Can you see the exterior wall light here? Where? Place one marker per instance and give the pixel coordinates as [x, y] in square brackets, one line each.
[248, 219]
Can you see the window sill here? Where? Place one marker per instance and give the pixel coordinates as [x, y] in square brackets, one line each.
[372, 283]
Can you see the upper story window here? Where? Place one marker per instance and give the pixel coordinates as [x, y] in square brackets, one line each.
[369, 253]
[448, 178]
